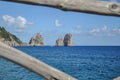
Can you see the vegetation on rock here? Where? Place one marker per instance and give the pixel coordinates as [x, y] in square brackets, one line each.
[7, 36]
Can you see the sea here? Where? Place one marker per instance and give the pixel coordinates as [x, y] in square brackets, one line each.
[81, 62]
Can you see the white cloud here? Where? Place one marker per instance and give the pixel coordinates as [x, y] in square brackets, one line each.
[115, 32]
[19, 30]
[57, 23]
[105, 31]
[21, 22]
[94, 31]
[105, 28]
[78, 27]
[8, 19]
[76, 30]
[18, 23]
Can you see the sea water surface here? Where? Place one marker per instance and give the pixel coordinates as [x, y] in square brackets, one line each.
[81, 62]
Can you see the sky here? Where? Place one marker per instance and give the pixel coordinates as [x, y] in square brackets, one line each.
[87, 29]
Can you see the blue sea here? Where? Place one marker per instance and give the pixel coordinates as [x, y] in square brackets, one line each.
[81, 62]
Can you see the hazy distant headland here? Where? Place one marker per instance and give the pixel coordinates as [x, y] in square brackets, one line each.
[37, 40]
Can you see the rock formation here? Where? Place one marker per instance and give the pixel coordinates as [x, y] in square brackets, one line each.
[37, 40]
[8, 38]
[59, 42]
[68, 40]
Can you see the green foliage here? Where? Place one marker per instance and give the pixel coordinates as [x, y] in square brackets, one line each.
[8, 36]
[16, 39]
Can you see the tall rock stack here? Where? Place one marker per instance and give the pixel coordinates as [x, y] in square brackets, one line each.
[68, 40]
[37, 40]
[59, 42]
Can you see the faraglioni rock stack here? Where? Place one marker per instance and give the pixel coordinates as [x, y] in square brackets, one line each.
[67, 41]
[37, 40]
[59, 42]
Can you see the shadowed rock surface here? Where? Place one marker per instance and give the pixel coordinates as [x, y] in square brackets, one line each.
[37, 40]
[68, 40]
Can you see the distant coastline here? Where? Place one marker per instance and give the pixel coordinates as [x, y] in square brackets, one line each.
[37, 40]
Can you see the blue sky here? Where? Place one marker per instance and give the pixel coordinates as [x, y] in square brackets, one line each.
[87, 29]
